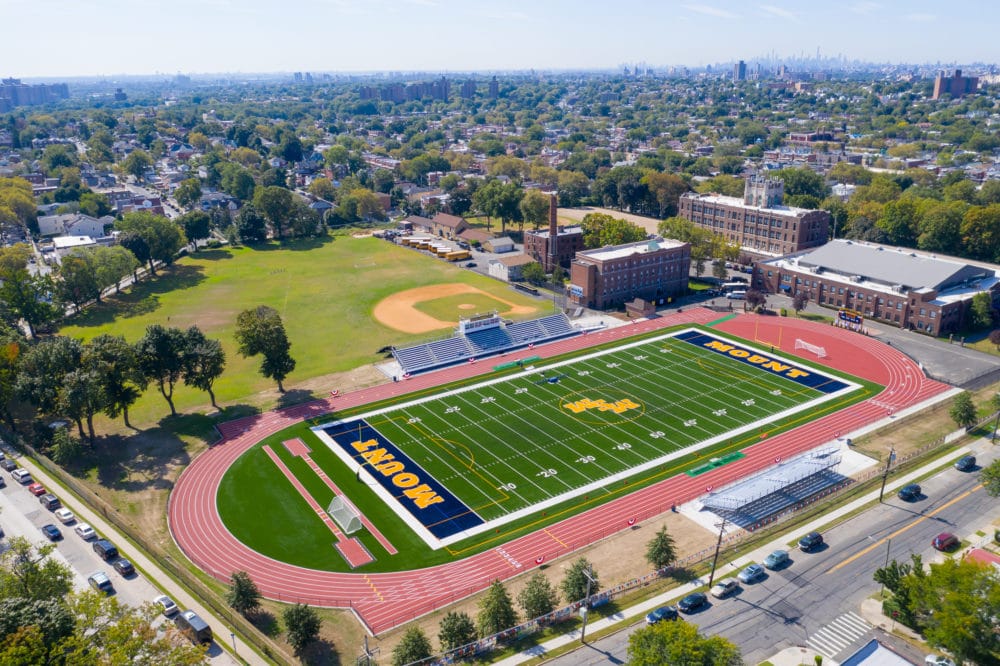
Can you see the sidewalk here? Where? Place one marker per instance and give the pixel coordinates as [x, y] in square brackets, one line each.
[152, 571]
[788, 657]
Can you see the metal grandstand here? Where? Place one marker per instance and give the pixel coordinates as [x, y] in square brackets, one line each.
[757, 498]
[489, 336]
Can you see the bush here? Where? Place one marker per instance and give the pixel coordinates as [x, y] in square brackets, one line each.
[784, 312]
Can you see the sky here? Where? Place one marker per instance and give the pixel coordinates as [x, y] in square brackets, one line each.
[52, 38]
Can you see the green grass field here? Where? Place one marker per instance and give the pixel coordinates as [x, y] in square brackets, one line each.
[513, 445]
[325, 291]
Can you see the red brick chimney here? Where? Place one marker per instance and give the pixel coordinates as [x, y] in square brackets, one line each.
[553, 232]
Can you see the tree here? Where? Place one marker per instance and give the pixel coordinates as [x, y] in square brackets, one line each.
[323, 188]
[43, 368]
[989, 476]
[660, 551]
[64, 448]
[799, 301]
[963, 411]
[414, 646]
[243, 595]
[197, 226]
[137, 164]
[80, 397]
[29, 298]
[679, 643]
[251, 226]
[11, 352]
[573, 187]
[188, 192]
[578, 577]
[533, 273]
[302, 625]
[162, 237]
[456, 630]
[161, 353]
[274, 202]
[204, 361]
[534, 208]
[136, 244]
[496, 611]
[666, 189]
[260, 331]
[27, 572]
[538, 597]
[981, 311]
[111, 264]
[49, 616]
[756, 299]
[78, 278]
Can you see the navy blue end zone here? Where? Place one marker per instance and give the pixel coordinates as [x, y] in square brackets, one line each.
[749, 356]
[418, 492]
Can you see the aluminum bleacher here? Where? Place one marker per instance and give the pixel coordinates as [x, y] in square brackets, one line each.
[769, 492]
[482, 343]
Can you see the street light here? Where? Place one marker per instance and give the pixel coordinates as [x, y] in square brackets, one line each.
[718, 546]
[885, 474]
[888, 545]
[588, 572]
[232, 636]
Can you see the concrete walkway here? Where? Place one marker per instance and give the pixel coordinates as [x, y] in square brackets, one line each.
[150, 569]
[788, 657]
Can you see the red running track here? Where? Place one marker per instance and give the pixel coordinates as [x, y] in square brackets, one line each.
[384, 600]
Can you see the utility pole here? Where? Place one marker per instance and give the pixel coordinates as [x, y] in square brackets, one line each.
[885, 474]
[718, 547]
[584, 611]
[368, 654]
[996, 423]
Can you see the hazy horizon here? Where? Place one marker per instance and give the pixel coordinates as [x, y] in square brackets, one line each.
[99, 38]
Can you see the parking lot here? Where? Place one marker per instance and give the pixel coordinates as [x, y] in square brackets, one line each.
[22, 514]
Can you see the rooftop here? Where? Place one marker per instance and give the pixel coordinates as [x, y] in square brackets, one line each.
[722, 199]
[621, 251]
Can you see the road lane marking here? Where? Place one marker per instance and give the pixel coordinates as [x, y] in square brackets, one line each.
[902, 529]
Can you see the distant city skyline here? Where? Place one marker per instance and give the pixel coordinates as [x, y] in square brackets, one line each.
[53, 38]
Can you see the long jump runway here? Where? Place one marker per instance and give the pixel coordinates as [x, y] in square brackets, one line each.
[385, 600]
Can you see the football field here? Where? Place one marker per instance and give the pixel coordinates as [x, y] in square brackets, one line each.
[462, 462]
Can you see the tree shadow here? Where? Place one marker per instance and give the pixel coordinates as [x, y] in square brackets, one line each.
[681, 574]
[294, 397]
[142, 298]
[266, 622]
[212, 255]
[138, 462]
[293, 244]
[320, 653]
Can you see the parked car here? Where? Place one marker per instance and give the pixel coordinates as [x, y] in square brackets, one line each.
[811, 541]
[195, 628]
[776, 560]
[724, 588]
[909, 492]
[49, 501]
[751, 574]
[167, 604]
[51, 532]
[22, 476]
[8, 465]
[938, 660]
[105, 550]
[966, 464]
[124, 567]
[100, 582]
[37, 489]
[85, 531]
[65, 516]
[945, 542]
[692, 602]
[660, 614]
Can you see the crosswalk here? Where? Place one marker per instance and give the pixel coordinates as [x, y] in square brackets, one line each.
[838, 635]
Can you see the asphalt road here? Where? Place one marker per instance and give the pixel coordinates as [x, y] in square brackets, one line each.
[816, 599]
[21, 514]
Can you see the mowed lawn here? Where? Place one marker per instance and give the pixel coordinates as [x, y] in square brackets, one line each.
[325, 293]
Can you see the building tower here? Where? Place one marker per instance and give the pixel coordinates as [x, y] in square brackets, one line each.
[740, 71]
[553, 232]
[763, 192]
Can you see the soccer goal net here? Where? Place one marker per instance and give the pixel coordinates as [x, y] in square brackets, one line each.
[345, 515]
[808, 346]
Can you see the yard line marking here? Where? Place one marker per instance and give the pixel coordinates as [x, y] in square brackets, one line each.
[904, 528]
[555, 538]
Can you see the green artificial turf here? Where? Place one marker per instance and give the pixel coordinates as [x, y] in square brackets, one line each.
[478, 451]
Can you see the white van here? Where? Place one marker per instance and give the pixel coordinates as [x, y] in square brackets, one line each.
[737, 295]
[21, 475]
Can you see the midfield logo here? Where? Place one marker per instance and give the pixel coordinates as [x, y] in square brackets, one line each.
[601, 405]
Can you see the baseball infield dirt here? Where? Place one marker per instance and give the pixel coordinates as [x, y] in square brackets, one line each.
[397, 311]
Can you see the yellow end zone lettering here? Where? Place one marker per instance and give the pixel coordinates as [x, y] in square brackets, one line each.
[763, 361]
[602, 405]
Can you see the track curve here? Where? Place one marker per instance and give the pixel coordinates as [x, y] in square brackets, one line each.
[384, 600]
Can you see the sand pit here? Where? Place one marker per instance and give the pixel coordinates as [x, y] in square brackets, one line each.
[397, 311]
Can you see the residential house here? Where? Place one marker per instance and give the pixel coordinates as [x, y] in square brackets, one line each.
[73, 224]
